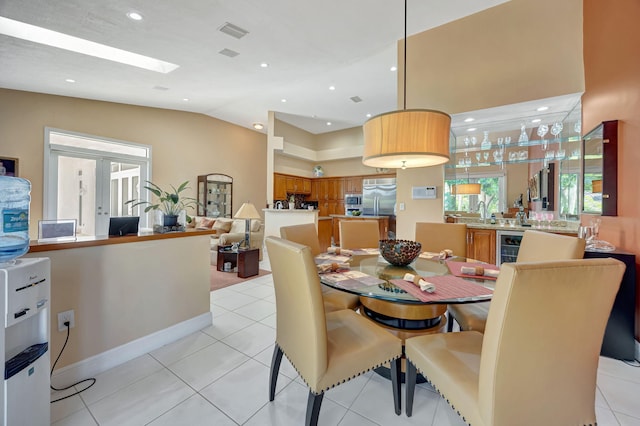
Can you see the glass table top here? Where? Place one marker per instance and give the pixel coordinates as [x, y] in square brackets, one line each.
[379, 272]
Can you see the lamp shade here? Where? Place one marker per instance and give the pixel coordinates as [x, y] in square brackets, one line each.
[407, 138]
[466, 189]
[596, 186]
[247, 211]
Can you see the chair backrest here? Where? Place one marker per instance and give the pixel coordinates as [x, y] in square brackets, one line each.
[541, 365]
[356, 234]
[436, 237]
[301, 329]
[304, 234]
[540, 246]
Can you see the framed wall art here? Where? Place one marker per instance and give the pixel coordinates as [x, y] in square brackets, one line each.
[8, 166]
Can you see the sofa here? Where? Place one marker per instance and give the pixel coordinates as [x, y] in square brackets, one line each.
[229, 231]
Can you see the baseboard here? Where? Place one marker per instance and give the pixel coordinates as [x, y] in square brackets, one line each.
[104, 361]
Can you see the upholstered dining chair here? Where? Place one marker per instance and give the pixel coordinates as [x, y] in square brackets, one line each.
[436, 237]
[357, 234]
[525, 370]
[535, 246]
[326, 349]
[307, 235]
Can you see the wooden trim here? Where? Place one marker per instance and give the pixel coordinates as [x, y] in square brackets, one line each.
[81, 242]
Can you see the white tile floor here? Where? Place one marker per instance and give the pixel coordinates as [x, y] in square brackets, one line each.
[219, 376]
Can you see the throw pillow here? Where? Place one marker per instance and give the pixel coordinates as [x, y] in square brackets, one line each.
[255, 225]
[239, 225]
[205, 223]
[222, 226]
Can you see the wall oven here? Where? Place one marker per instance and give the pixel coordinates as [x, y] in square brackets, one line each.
[507, 246]
[352, 204]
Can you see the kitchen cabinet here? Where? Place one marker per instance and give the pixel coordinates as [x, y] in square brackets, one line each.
[336, 189]
[279, 187]
[313, 195]
[306, 186]
[383, 226]
[481, 245]
[353, 185]
[324, 233]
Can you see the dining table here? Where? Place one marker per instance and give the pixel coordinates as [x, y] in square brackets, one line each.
[399, 305]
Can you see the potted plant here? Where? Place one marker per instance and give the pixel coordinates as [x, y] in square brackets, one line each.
[170, 203]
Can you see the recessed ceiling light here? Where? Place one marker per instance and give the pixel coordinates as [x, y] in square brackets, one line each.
[264, 65]
[471, 129]
[258, 126]
[394, 68]
[283, 100]
[469, 120]
[536, 120]
[41, 35]
[368, 115]
[70, 80]
[332, 87]
[328, 123]
[134, 16]
[185, 99]
[542, 108]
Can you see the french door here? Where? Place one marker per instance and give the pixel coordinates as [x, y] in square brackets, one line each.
[91, 186]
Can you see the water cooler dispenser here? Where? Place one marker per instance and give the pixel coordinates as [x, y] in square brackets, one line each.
[24, 339]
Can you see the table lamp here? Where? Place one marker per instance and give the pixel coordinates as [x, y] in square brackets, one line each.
[247, 211]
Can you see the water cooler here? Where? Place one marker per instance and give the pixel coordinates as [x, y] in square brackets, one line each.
[25, 291]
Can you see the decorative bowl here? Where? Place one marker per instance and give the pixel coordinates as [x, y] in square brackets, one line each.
[399, 252]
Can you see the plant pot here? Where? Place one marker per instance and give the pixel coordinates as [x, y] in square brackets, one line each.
[170, 220]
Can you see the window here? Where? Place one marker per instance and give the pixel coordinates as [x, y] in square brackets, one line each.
[492, 194]
[89, 179]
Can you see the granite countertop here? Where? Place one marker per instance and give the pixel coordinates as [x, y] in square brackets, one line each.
[290, 210]
[346, 216]
[556, 227]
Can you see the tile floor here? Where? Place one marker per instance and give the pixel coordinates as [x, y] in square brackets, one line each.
[219, 375]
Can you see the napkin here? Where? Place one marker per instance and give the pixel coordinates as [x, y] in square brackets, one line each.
[420, 282]
[338, 250]
[441, 255]
[332, 267]
[479, 271]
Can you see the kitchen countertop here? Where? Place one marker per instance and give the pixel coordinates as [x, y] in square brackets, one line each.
[555, 228]
[346, 216]
[290, 210]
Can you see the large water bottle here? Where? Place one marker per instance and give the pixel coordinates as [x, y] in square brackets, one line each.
[14, 217]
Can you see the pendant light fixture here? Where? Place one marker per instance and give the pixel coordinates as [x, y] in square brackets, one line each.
[466, 189]
[409, 137]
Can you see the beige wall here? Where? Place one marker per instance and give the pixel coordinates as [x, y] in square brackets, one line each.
[184, 145]
[123, 292]
[612, 74]
[518, 51]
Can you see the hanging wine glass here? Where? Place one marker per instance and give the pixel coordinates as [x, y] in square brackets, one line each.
[474, 140]
[478, 157]
[486, 143]
[556, 129]
[577, 127]
[486, 156]
[523, 139]
[507, 140]
[466, 141]
[543, 129]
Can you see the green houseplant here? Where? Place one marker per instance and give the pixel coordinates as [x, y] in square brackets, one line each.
[170, 203]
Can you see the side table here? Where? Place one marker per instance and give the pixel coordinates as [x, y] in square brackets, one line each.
[247, 260]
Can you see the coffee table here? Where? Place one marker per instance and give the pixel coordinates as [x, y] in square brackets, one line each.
[247, 260]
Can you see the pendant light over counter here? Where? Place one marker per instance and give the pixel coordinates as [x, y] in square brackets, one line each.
[465, 189]
[407, 138]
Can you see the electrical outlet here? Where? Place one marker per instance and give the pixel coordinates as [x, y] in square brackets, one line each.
[64, 317]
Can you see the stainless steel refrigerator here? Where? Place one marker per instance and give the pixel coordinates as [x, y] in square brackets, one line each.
[379, 197]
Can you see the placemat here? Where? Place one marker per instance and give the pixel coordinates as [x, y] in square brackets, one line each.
[455, 268]
[447, 287]
[350, 279]
[331, 258]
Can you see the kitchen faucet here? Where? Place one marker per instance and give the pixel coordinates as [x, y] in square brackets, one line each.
[483, 212]
[278, 205]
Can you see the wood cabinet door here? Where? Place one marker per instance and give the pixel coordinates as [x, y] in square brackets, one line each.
[323, 208]
[335, 225]
[325, 230]
[306, 186]
[279, 187]
[291, 185]
[323, 189]
[383, 224]
[313, 194]
[481, 245]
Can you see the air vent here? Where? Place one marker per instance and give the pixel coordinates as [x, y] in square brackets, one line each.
[228, 52]
[161, 88]
[233, 30]
[356, 99]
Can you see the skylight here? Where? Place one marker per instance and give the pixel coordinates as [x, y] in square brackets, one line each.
[51, 38]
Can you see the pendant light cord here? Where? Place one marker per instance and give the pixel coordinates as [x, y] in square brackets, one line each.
[405, 56]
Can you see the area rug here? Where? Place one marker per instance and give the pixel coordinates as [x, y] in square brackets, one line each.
[225, 279]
